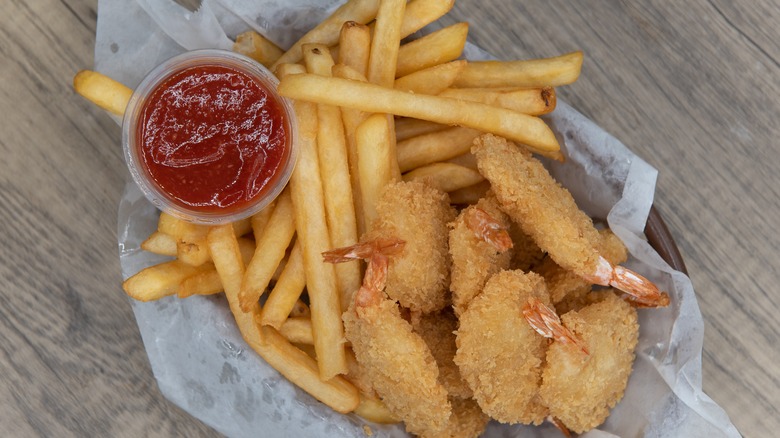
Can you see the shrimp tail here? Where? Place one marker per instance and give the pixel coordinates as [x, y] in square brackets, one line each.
[545, 321]
[642, 292]
[560, 426]
[485, 227]
[364, 250]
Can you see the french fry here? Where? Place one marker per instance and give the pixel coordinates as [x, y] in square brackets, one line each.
[310, 219]
[269, 252]
[432, 80]
[336, 182]
[287, 291]
[407, 127]
[531, 101]
[207, 282]
[534, 73]
[528, 130]
[327, 32]
[355, 46]
[446, 177]
[160, 280]
[298, 330]
[260, 219]
[352, 119]
[103, 91]
[242, 226]
[301, 309]
[439, 47]
[257, 47]
[160, 243]
[374, 156]
[466, 160]
[470, 195]
[290, 361]
[385, 42]
[372, 409]
[285, 69]
[420, 13]
[190, 239]
[436, 146]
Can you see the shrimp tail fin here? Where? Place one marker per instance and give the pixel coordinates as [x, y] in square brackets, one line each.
[546, 322]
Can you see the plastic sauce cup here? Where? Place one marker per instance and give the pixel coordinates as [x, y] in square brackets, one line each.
[207, 139]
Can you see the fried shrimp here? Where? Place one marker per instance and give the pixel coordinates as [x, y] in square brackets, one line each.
[418, 278]
[580, 389]
[547, 212]
[499, 355]
[474, 257]
[396, 360]
[467, 421]
[566, 287]
[438, 332]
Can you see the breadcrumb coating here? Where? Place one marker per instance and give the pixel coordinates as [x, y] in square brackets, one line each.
[418, 214]
[543, 208]
[581, 389]
[499, 355]
[473, 259]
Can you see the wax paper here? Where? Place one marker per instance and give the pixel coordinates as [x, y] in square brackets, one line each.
[202, 364]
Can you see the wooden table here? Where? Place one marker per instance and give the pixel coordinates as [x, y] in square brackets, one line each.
[693, 87]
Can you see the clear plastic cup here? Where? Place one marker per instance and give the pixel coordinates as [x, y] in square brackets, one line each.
[131, 141]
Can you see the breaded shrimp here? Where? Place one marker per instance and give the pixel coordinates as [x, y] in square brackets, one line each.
[438, 332]
[565, 285]
[547, 212]
[474, 257]
[418, 278]
[399, 365]
[467, 421]
[526, 254]
[499, 355]
[580, 389]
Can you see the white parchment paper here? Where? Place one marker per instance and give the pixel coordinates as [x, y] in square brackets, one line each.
[202, 364]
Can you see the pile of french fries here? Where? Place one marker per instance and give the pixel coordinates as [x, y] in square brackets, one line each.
[371, 109]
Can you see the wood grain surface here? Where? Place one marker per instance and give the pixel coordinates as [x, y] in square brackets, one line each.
[693, 87]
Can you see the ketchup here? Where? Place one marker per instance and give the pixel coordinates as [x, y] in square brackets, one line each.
[212, 138]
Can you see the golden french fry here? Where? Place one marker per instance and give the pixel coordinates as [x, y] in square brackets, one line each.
[466, 160]
[439, 47]
[207, 282]
[470, 195]
[190, 239]
[327, 32]
[336, 182]
[355, 46]
[285, 69]
[287, 291]
[298, 330]
[352, 119]
[160, 243]
[103, 91]
[242, 226]
[269, 252]
[420, 13]
[290, 361]
[531, 101]
[436, 146]
[310, 219]
[446, 177]
[260, 219]
[159, 280]
[372, 409]
[374, 156]
[257, 47]
[522, 128]
[432, 80]
[407, 127]
[302, 370]
[385, 42]
[534, 73]
[301, 309]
